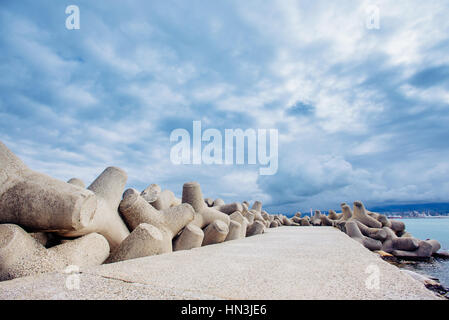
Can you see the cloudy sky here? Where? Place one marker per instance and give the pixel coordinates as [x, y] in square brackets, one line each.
[362, 113]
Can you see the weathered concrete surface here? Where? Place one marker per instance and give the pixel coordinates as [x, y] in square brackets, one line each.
[284, 263]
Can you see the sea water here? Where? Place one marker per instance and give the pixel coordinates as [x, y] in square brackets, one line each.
[431, 228]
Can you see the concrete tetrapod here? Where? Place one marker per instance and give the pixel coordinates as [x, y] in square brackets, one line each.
[190, 237]
[256, 209]
[191, 194]
[393, 242]
[165, 200]
[237, 216]
[354, 232]
[257, 215]
[406, 235]
[21, 255]
[249, 216]
[325, 221]
[256, 228]
[229, 208]
[333, 215]
[145, 240]
[361, 215]
[277, 218]
[397, 226]
[108, 188]
[291, 222]
[374, 215]
[435, 245]
[38, 202]
[305, 222]
[423, 252]
[266, 216]
[235, 231]
[89, 250]
[151, 193]
[77, 182]
[384, 220]
[286, 221]
[408, 247]
[374, 233]
[136, 210]
[218, 202]
[209, 202]
[346, 215]
[215, 232]
[380, 217]
[316, 219]
[346, 212]
[257, 205]
[296, 219]
[41, 237]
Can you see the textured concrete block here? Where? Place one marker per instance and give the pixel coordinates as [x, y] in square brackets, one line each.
[256, 228]
[235, 231]
[215, 232]
[325, 221]
[77, 182]
[354, 232]
[151, 193]
[21, 255]
[237, 216]
[397, 226]
[274, 224]
[165, 200]
[191, 237]
[333, 215]
[393, 242]
[89, 250]
[145, 240]
[375, 233]
[108, 188]
[346, 212]
[209, 202]
[136, 210]
[316, 219]
[229, 208]
[423, 252]
[218, 202]
[38, 202]
[361, 215]
[204, 216]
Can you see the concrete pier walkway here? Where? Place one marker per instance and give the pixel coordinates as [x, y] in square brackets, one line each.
[284, 263]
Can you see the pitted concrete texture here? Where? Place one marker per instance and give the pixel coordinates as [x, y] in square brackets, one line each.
[284, 263]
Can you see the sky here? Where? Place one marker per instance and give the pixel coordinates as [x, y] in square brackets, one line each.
[362, 113]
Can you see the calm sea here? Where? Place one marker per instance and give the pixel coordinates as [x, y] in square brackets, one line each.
[432, 228]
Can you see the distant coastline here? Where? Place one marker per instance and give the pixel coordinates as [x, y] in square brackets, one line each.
[414, 210]
[426, 217]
